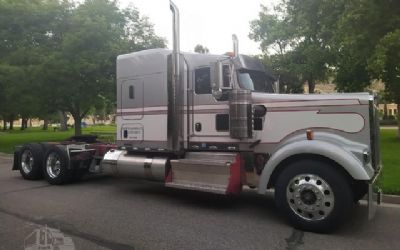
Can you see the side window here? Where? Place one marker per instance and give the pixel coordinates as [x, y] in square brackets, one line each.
[226, 75]
[131, 92]
[202, 81]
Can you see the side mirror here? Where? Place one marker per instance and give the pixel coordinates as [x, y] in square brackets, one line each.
[220, 78]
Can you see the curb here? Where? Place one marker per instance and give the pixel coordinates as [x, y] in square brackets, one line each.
[389, 198]
[4, 155]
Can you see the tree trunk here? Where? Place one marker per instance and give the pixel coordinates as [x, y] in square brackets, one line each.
[385, 111]
[63, 120]
[78, 124]
[311, 86]
[24, 123]
[11, 124]
[45, 124]
[30, 123]
[4, 124]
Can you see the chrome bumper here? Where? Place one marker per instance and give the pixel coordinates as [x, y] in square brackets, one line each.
[374, 196]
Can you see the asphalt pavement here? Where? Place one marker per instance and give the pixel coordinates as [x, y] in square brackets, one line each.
[103, 212]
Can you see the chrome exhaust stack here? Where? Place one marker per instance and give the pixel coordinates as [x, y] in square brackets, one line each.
[175, 98]
[235, 45]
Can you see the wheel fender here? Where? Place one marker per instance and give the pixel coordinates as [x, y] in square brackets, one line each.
[343, 157]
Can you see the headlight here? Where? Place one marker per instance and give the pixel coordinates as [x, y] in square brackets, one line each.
[366, 156]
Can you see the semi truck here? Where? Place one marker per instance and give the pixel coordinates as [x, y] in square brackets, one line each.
[217, 123]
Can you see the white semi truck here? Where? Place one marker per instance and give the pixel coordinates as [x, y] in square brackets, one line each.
[214, 123]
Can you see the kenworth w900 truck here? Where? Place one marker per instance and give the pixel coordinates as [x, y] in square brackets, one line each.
[214, 123]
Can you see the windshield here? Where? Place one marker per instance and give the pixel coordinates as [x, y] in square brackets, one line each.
[255, 81]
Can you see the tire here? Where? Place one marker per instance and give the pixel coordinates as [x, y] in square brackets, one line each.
[314, 195]
[56, 166]
[30, 161]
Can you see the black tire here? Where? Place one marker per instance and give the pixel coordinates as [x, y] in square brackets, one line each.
[30, 160]
[319, 204]
[56, 166]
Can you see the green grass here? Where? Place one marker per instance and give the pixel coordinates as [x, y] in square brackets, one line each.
[390, 153]
[390, 148]
[10, 139]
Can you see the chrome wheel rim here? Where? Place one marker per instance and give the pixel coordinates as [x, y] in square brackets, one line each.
[27, 161]
[53, 165]
[310, 197]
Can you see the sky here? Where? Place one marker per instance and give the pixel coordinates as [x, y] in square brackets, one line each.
[210, 23]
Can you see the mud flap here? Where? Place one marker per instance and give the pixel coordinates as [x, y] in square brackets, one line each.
[17, 155]
[374, 196]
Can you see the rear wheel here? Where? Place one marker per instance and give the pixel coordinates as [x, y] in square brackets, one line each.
[56, 169]
[31, 161]
[314, 195]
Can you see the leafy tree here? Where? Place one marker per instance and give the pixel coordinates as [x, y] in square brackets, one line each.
[280, 66]
[298, 31]
[201, 49]
[370, 47]
[60, 55]
[83, 69]
[25, 28]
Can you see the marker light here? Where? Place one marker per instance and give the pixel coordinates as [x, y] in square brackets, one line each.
[310, 134]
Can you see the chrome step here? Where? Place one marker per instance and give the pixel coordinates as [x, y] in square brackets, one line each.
[198, 187]
[202, 171]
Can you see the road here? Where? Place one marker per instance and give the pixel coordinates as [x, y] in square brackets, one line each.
[102, 212]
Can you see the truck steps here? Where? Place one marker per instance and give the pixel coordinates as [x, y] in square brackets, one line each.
[209, 172]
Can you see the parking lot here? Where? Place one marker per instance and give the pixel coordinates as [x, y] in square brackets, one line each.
[102, 212]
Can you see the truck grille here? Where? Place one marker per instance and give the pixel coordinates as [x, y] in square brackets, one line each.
[375, 133]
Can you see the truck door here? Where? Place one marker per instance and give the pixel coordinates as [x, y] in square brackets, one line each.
[210, 118]
[131, 98]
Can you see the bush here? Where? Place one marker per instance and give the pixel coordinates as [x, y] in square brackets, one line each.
[388, 122]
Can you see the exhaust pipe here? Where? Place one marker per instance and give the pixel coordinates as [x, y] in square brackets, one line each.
[235, 45]
[174, 113]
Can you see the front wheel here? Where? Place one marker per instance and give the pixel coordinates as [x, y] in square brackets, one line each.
[314, 195]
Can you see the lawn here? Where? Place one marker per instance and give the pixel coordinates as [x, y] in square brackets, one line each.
[9, 139]
[390, 148]
[390, 153]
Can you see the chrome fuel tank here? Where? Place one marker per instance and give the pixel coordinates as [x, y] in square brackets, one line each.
[120, 163]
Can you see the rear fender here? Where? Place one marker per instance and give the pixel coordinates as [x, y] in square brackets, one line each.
[353, 166]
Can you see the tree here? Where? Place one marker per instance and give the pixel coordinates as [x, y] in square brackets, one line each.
[370, 35]
[26, 31]
[280, 66]
[385, 64]
[83, 69]
[298, 31]
[59, 56]
[201, 49]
